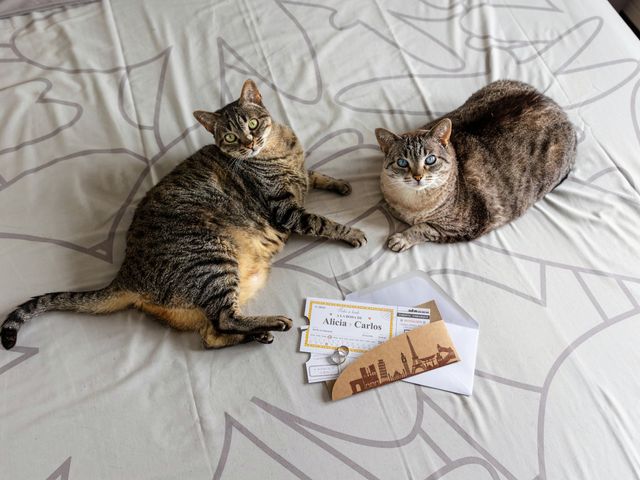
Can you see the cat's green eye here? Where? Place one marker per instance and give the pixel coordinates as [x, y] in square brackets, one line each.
[430, 160]
[230, 138]
[253, 124]
[402, 163]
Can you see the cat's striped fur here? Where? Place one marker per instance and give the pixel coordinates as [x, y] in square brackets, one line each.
[478, 167]
[201, 241]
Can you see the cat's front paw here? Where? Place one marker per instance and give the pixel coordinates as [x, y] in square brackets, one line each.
[398, 243]
[342, 187]
[356, 238]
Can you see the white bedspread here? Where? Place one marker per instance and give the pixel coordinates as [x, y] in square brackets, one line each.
[96, 105]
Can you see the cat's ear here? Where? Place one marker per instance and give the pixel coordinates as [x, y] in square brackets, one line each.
[442, 131]
[250, 93]
[386, 139]
[207, 119]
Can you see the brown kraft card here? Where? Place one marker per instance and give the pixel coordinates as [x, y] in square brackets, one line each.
[420, 350]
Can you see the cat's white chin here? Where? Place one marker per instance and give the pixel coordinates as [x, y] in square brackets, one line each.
[414, 187]
[253, 153]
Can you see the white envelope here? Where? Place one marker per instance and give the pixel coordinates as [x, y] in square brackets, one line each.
[413, 289]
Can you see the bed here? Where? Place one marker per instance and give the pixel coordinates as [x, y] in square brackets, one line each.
[97, 104]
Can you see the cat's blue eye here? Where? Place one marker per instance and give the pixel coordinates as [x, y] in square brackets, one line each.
[430, 160]
[401, 162]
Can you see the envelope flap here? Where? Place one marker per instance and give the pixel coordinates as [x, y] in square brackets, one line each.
[411, 289]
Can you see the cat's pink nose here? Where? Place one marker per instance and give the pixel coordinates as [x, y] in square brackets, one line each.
[418, 177]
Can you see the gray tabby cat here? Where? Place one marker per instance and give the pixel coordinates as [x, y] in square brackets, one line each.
[201, 241]
[477, 168]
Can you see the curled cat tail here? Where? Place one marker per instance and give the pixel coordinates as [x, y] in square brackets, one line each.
[106, 300]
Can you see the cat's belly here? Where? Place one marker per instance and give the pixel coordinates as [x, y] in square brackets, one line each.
[187, 319]
[254, 251]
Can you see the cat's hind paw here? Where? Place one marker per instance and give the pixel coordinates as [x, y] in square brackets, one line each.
[264, 337]
[398, 243]
[282, 323]
[356, 238]
[342, 187]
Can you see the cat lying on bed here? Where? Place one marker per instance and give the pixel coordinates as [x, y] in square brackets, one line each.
[201, 241]
[477, 168]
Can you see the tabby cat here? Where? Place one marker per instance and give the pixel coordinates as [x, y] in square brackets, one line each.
[477, 168]
[201, 240]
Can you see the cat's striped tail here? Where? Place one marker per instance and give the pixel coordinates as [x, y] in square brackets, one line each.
[105, 300]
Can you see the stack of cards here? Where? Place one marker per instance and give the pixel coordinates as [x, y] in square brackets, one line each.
[414, 288]
[358, 326]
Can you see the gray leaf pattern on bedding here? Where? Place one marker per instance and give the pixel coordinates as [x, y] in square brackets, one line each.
[103, 249]
[62, 472]
[42, 99]
[27, 352]
[552, 292]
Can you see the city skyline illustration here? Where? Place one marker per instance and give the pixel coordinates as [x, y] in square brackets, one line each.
[370, 377]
